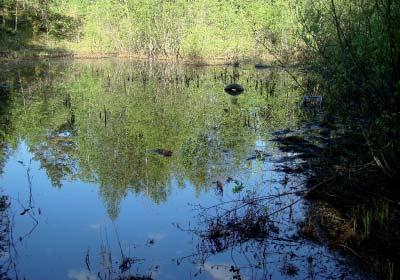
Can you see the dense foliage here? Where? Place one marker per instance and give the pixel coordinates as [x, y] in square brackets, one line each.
[148, 27]
[354, 49]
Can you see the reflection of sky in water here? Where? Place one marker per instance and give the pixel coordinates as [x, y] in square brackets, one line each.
[114, 195]
[73, 221]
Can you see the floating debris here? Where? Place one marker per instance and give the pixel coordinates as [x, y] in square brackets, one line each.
[234, 89]
[220, 187]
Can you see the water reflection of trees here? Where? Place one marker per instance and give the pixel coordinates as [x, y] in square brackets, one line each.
[98, 122]
[4, 232]
[6, 128]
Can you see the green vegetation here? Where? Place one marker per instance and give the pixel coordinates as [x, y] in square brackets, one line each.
[182, 29]
[353, 51]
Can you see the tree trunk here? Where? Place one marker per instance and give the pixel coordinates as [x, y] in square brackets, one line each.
[16, 16]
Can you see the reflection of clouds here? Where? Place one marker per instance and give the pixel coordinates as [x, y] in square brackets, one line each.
[94, 227]
[219, 272]
[157, 236]
[81, 275]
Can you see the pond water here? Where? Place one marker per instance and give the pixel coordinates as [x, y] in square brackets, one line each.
[111, 169]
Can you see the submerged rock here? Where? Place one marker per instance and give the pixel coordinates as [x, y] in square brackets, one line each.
[234, 89]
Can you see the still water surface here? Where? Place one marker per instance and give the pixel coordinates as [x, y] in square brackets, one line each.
[93, 193]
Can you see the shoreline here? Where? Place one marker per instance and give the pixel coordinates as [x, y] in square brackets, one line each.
[200, 61]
